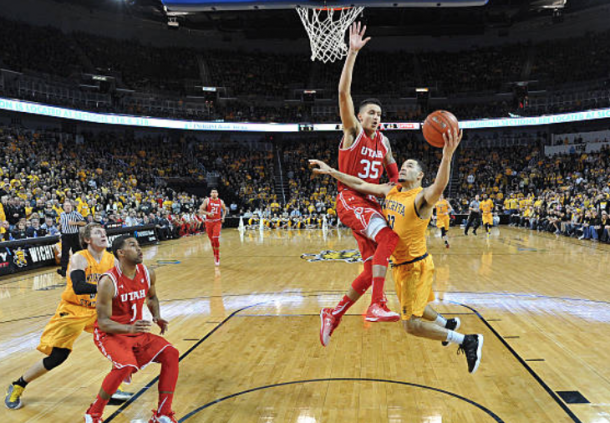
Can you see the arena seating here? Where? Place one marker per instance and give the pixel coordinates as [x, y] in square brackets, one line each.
[161, 77]
[114, 177]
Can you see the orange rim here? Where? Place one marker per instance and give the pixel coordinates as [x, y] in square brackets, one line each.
[333, 8]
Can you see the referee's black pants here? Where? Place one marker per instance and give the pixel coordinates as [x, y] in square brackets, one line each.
[68, 241]
[473, 219]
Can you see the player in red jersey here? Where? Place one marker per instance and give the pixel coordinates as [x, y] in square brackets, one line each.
[124, 337]
[215, 211]
[363, 152]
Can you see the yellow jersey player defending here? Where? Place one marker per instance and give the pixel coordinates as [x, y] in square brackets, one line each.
[487, 208]
[75, 313]
[408, 208]
[443, 209]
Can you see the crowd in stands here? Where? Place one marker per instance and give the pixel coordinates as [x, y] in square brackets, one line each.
[119, 179]
[109, 178]
[566, 194]
[258, 82]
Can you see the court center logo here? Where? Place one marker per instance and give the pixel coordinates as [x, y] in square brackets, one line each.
[347, 256]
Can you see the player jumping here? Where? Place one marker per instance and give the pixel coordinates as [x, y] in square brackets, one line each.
[363, 152]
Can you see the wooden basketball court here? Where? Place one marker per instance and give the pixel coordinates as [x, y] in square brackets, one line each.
[250, 349]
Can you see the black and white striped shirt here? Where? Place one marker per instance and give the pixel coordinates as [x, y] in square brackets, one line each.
[64, 218]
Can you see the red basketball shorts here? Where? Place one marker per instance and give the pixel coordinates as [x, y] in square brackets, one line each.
[137, 350]
[365, 219]
[213, 229]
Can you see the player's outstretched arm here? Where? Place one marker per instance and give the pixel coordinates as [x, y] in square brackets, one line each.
[152, 302]
[105, 293]
[351, 126]
[351, 181]
[434, 191]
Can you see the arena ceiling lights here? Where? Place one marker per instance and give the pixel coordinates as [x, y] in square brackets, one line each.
[20, 106]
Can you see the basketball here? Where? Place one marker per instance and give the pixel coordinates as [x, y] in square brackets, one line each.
[436, 124]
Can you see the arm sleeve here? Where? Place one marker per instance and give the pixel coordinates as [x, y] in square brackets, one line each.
[80, 285]
[392, 170]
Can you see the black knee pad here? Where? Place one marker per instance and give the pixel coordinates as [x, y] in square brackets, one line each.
[57, 356]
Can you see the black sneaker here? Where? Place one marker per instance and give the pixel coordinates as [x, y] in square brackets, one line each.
[61, 272]
[472, 348]
[452, 324]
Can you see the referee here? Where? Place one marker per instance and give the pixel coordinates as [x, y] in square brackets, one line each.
[69, 223]
[474, 217]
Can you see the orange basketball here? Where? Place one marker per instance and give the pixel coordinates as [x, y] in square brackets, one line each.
[436, 124]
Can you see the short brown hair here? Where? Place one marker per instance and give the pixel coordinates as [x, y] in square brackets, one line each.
[85, 233]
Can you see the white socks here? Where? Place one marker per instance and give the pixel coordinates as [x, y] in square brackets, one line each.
[454, 337]
[440, 320]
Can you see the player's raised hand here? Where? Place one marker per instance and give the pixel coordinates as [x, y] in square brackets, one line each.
[356, 34]
[452, 140]
[163, 324]
[141, 326]
[322, 168]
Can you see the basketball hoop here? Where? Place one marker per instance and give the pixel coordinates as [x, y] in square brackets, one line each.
[326, 30]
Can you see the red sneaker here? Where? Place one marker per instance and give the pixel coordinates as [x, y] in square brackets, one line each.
[379, 312]
[165, 418]
[328, 324]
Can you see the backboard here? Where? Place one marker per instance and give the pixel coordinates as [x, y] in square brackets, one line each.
[219, 5]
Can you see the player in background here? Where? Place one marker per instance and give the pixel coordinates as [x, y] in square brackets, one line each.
[75, 312]
[487, 208]
[215, 211]
[363, 152]
[124, 337]
[443, 210]
[408, 209]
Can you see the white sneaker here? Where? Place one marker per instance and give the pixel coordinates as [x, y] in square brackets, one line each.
[121, 395]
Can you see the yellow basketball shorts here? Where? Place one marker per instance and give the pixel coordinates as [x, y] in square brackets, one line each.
[442, 222]
[69, 321]
[413, 283]
[488, 219]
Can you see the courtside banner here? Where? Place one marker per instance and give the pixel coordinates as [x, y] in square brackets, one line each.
[33, 253]
[144, 234]
[28, 254]
[20, 106]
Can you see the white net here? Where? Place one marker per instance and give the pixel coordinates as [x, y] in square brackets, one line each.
[326, 30]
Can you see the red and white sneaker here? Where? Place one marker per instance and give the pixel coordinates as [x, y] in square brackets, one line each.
[162, 418]
[328, 324]
[379, 312]
[93, 417]
[216, 263]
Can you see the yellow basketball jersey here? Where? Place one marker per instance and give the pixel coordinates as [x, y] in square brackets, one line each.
[442, 208]
[486, 206]
[93, 274]
[399, 210]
